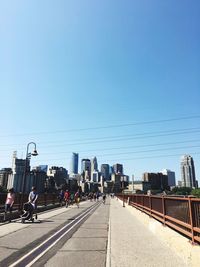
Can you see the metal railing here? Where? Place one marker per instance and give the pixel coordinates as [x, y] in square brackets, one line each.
[179, 213]
[43, 200]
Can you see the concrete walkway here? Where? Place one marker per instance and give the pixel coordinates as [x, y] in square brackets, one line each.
[88, 246]
[112, 236]
[131, 244]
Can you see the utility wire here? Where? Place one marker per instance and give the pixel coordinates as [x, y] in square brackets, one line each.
[146, 151]
[137, 136]
[105, 127]
[125, 159]
[124, 147]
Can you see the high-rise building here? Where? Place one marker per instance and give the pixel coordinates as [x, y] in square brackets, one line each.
[94, 164]
[4, 173]
[85, 165]
[171, 177]
[59, 174]
[95, 177]
[158, 180]
[15, 179]
[118, 168]
[188, 171]
[74, 164]
[39, 177]
[105, 171]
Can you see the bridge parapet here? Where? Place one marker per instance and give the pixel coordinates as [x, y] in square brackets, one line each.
[179, 213]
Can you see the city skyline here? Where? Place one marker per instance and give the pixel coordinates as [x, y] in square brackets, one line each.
[119, 81]
[79, 167]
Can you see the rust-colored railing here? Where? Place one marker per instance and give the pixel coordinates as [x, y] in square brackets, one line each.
[179, 213]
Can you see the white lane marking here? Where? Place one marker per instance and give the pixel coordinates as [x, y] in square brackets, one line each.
[42, 253]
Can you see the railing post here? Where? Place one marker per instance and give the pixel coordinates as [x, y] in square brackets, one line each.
[20, 201]
[45, 199]
[191, 219]
[143, 202]
[150, 205]
[163, 209]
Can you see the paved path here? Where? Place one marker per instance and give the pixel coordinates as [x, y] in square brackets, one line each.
[133, 245]
[128, 243]
[88, 246]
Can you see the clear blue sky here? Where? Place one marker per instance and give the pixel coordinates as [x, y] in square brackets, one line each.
[75, 65]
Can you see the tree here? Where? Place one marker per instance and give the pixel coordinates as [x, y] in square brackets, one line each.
[3, 190]
[196, 192]
[181, 191]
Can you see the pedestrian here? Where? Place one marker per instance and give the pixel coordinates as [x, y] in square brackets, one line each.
[77, 198]
[66, 198]
[9, 202]
[61, 197]
[97, 196]
[104, 199]
[32, 198]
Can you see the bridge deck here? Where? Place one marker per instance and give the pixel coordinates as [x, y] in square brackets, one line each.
[127, 243]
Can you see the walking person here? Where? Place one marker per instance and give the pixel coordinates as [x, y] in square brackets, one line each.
[66, 198]
[104, 199]
[61, 197]
[9, 202]
[32, 198]
[77, 198]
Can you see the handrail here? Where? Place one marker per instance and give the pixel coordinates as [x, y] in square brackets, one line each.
[180, 213]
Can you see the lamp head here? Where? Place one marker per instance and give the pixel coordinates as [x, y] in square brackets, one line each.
[34, 153]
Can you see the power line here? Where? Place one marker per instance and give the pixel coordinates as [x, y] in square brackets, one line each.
[113, 137]
[147, 151]
[105, 127]
[135, 137]
[125, 147]
[125, 159]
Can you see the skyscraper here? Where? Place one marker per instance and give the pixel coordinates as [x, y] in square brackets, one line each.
[188, 171]
[86, 168]
[105, 172]
[15, 178]
[118, 168]
[171, 177]
[85, 165]
[94, 164]
[74, 164]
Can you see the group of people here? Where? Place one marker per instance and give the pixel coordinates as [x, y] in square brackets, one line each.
[93, 196]
[64, 196]
[10, 199]
[69, 198]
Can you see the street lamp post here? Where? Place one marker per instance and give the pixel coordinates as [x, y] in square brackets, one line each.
[28, 157]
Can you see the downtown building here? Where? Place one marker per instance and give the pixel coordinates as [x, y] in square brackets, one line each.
[157, 181]
[188, 177]
[4, 173]
[58, 176]
[105, 172]
[94, 170]
[118, 168]
[38, 178]
[15, 178]
[74, 164]
[171, 177]
[86, 169]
